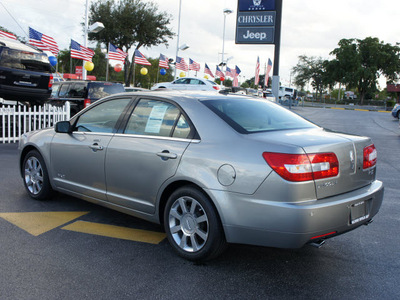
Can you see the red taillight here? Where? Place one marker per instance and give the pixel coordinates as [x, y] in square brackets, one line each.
[303, 167]
[216, 87]
[51, 81]
[370, 156]
[86, 103]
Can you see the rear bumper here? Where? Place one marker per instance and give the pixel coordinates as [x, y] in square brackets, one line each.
[248, 220]
[24, 93]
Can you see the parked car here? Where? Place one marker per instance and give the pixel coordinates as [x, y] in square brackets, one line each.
[25, 72]
[211, 168]
[81, 94]
[396, 111]
[188, 83]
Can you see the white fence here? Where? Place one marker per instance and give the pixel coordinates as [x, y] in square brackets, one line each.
[16, 119]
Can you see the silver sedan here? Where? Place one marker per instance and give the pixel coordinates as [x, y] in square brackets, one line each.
[213, 169]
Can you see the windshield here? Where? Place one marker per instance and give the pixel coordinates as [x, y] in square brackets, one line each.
[24, 60]
[246, 115]
[99, 90]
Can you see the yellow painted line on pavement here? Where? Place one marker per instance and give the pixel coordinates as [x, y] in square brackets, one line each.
[37, 223]
[118, 232]
[358, 109]
[339, 108]
[384, 111]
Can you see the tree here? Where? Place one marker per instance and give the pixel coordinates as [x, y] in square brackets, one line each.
[130, 23]
[311, 69]
[359, 63]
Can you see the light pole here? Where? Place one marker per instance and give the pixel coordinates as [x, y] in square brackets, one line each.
[96, 27]
[226, 11]
[179, 31]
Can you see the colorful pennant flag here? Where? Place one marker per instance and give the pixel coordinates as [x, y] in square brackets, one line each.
[208, 71]
[115, 53]
[219, 73]
[163, 61]
[7, 35]
[194, 65]
[180, 64]
[257, 74]
[42, 41]
[269, 67]
[141, 59]
[81, 52]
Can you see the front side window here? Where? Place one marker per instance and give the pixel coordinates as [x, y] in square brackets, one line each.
[157, 118]
[64, 90]
[103, 117]
[181, 81]
[246, 115]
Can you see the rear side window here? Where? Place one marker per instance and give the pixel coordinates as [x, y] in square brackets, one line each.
[24, 60]
[157, 118]
[246, 115]
[99, 90]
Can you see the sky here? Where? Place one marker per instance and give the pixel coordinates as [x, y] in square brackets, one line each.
[311, 28]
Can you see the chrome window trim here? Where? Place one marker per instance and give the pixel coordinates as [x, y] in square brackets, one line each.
[153, 137]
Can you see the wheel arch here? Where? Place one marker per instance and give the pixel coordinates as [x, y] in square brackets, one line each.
[173, 186]
[24, 152]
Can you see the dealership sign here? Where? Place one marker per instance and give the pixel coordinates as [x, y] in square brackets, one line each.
[256, 20]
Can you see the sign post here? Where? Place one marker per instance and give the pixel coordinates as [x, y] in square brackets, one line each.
[259, 22]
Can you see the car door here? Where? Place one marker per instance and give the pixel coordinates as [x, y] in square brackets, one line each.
[180, 84]
[146, 154]
[77, 159]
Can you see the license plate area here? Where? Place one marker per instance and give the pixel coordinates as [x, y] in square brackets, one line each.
[359, 212]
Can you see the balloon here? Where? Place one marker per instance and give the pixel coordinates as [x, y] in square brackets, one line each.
[89, 66]
[206, 76]
[222, 78]
[143, 71]
[163, 72]
[117, 68]
[182, 74]
[53, 60]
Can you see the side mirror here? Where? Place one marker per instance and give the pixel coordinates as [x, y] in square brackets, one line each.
[63, 127]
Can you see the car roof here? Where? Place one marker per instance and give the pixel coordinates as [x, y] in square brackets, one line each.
[13, 44]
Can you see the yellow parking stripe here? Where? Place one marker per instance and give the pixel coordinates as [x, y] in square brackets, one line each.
[37, 223]
[118, 232]
[340, 108]
[384, 111]
[358, 109]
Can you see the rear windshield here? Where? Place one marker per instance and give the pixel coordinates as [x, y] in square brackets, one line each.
[246, 115]
[99, 90]
[24, 60]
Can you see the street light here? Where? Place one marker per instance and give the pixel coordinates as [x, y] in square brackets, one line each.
[226, 11]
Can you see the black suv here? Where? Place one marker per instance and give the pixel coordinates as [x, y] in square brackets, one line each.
[82, 93]
[25, 72]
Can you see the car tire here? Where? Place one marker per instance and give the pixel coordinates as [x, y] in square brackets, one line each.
[193, 226]
[398, 115]
[36, 177]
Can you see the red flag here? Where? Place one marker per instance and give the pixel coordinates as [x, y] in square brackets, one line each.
[257, 75]
[7, 35]
[269, 67]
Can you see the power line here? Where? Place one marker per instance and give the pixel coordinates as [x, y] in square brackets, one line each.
[14, 20]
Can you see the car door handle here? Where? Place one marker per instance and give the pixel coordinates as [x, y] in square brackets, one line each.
[96, 147]
[167, 155]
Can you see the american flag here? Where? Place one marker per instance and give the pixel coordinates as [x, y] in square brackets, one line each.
[257, 75]
[116, 53]
[229, 72]
[219, 73]
[194, 65]
[43, 41]
[208, 71]
[269, 67]
[7, 35]
[180, 64]
[81, 52]
[163, 61]
[141, 59]
[236, 77]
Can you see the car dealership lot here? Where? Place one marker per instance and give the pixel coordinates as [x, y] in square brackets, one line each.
[66, 263]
